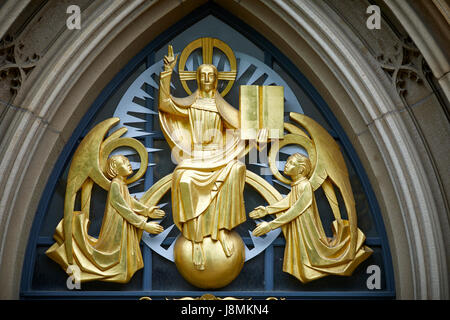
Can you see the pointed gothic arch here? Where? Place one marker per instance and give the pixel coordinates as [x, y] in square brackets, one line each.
[78, 66]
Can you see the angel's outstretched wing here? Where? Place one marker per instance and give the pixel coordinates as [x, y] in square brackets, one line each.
[87, 167]
[330, 171]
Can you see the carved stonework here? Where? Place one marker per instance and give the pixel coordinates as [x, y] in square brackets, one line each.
[14, 65]
[405, 64]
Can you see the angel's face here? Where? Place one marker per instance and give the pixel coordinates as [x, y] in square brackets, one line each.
[291, 168]
[124, 167]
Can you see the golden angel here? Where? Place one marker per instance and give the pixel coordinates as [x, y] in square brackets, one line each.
[309, 254]
[115, 255]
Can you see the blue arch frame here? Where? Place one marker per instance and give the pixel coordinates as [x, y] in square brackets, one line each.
[147, 55]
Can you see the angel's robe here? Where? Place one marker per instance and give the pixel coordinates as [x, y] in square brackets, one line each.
[115, 255]
[309, 254]
[208, 182]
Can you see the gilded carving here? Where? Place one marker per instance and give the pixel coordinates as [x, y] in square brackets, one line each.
[207, 140]
[309, 253]
[115, 255]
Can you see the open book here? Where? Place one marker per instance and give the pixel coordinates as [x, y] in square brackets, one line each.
[261, 112]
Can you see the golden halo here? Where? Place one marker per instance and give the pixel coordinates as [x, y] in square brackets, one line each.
[291, 138]
[110, 145]
[207, 45]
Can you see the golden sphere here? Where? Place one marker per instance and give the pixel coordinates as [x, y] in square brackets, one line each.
[219, 270]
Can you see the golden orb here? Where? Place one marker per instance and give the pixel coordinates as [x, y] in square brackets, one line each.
[219, 270]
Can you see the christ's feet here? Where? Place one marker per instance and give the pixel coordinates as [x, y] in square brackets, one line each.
[198, 256]
[227, 246]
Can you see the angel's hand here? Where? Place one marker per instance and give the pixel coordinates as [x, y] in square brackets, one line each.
[156, 213]
[170, 61]
[259, 212]
[261, 229]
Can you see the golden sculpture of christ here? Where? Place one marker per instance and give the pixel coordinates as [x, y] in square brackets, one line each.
[208, 182]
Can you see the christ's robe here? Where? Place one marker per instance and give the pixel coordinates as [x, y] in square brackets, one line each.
[208, 182]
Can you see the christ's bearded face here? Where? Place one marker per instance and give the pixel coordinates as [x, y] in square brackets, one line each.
[207, 77]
